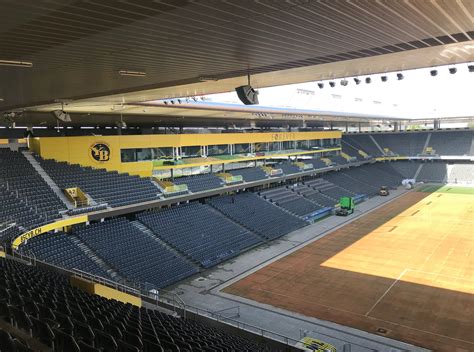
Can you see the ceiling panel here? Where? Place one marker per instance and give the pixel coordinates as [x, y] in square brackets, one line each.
[77, 46]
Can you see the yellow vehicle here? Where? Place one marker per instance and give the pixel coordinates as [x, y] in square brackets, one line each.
[384, 191]
[312, 344]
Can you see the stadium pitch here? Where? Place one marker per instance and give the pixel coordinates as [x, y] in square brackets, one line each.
[404, 271]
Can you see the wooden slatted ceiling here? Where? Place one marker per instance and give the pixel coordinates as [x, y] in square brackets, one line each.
[172, 40]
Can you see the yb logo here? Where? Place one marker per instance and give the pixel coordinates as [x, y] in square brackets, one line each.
[100, 152]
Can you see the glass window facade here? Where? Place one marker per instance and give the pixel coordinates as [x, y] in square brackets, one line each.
[220, 149]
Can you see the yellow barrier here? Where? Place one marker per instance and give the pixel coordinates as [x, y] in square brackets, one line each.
[346, 156]
[49, 227]
[2, 254]
[327, 161]
[364, 154]
[104, 291]
[76, 196]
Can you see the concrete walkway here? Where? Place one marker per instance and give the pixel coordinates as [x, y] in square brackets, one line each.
[204, 291]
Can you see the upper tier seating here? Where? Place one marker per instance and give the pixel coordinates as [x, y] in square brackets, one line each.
[350, 149]
[133, 254]
[404, 144]
[411, 143]
[15, 211]
[250, 174]
[198, 183]
[462, 173]
[103, 186]
[452, 143]
[26, 198]
[258, 215]
[291, 201]
[59, 249]
[42, 302]
[200, 232]
[288, 168]
[363, 142]
[317, 163]
[433, 172]
[339, 160]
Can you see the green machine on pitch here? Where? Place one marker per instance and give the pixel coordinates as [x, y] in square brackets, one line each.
[346, 206]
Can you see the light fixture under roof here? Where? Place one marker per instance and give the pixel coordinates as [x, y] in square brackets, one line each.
[356, 80]
[207, 78]
[16, 63]
[400, 76]
[132, 73]
[453, 70]
[471, 68]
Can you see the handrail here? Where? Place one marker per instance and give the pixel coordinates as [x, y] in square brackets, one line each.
[167, 297]
[219, 312]
[289, 341]
[102, 280]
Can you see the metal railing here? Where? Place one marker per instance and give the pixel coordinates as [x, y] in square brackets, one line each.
[286, 340]
[166, 297]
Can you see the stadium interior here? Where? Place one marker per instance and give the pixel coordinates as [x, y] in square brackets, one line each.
[139, 213]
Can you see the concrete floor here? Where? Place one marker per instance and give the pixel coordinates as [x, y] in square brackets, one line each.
[204, 291]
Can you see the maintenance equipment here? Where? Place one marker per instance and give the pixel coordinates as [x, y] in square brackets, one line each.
[384, 191]
[312, 344]
[346, 206]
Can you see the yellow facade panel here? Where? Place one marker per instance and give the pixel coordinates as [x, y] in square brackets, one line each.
[104, 151]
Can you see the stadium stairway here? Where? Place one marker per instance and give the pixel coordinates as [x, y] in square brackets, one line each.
[376, 144]
[427, 142]
[148, 232]
[471, 150]
[96, 259]
[415, 176]
[49, 181]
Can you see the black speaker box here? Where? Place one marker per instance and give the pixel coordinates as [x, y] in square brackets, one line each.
[247, 95]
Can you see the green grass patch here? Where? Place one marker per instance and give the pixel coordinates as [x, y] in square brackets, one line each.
[446, 189]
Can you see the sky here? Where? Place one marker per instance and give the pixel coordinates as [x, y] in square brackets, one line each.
[417, 95]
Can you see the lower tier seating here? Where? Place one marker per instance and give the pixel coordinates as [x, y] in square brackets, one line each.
[42, 304]
[60, 249]
[327, 190]
[461, 173]
[291, 201]
[133, 254]
[200, 232]
[433, 172]
[407, 169]
[258, 215]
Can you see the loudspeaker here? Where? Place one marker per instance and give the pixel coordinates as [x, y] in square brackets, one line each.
[62, 115]
[247, 95]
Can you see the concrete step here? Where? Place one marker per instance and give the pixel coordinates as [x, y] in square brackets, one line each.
[427, 142]
[378, 146]
[49, 181]
[93, 256]
[148, 232]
